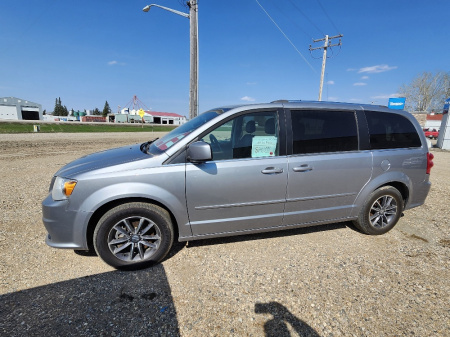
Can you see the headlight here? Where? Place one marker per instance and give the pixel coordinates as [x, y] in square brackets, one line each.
[62, 188]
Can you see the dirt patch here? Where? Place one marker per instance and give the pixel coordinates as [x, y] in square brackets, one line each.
[327, 281]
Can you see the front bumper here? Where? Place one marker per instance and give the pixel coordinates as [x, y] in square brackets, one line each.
[66, 228]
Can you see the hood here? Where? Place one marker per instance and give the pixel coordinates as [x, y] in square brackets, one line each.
[103, 159]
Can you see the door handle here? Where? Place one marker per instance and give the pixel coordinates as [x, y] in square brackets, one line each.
[302, 168]
[272, 170]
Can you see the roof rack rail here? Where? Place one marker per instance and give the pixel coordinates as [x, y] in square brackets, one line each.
[287, 101]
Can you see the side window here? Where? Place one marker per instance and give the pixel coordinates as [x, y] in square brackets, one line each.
[317, 131]
[391, 131]
[252, 135]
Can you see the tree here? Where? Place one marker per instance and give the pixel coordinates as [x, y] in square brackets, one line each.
[426, 92]
[96, 112]
[59, 109]
[106, 109]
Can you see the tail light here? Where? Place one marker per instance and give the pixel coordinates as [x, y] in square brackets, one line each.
[430, 163]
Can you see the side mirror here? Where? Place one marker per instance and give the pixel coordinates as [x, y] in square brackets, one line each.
[199, 152]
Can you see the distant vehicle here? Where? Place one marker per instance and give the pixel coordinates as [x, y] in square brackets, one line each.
[237, 170]
[431, 134]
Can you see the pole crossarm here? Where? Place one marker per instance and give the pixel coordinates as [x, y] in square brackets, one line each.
[330, 45]
[329, 38]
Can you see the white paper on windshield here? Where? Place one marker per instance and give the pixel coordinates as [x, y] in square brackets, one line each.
[264, 146]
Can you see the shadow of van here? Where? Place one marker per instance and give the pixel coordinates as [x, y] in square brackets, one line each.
[110, 304]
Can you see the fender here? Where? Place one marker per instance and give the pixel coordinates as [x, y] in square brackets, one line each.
[382, 179]
[175, 204]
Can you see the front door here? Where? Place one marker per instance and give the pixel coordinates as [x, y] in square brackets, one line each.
[244, 187]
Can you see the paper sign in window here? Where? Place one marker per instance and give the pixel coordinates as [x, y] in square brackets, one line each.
[264, 146]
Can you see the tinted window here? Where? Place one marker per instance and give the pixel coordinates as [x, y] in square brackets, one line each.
[323, 131]
[246, 136]
[391, 131]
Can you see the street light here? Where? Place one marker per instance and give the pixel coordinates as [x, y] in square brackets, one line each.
[147, 8]
[193, 28]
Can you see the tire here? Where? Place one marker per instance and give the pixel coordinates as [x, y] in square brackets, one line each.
[134, 235]
[381, 211]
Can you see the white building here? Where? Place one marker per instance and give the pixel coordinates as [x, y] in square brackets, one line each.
[13, 108]
[169, 118]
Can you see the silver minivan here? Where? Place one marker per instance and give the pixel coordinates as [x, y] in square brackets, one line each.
[237, 170]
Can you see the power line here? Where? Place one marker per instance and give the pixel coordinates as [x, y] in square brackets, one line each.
[184, 3]
[304, 59]
[326, 14]
[306, 17]
[293, 22]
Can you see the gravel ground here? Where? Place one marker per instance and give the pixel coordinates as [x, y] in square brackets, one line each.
[321, 281]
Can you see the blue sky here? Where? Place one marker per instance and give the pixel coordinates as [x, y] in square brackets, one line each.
[89, 52]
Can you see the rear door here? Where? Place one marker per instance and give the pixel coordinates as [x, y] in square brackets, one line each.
[244, 187]
[326, 169]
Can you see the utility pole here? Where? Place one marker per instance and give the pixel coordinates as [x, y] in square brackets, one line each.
[327, 44]
[193, 87]
[193, 33]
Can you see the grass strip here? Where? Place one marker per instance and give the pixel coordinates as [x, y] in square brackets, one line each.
[74, 127]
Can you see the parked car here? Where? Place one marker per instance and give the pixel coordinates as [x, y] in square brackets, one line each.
[238, 170]
[431, 134]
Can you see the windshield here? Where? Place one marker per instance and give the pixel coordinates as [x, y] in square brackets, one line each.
[180, 132]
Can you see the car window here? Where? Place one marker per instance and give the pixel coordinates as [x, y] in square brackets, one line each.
[391, 131]
[252, 135]
[317, 131]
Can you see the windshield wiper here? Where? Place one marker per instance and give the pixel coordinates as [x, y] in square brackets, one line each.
[144, 146]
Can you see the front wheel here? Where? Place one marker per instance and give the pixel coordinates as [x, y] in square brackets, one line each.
[133, 235]
[381, 212]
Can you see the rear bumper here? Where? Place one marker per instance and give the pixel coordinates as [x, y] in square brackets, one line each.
[66, 229]
[420, 193]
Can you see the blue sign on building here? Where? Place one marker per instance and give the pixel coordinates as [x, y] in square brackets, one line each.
[446, 106]
[397, 103]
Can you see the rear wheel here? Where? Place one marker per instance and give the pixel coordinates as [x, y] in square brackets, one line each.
[381, 212]
[133, 235]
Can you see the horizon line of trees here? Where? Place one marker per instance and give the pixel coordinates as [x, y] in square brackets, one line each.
[61, 110]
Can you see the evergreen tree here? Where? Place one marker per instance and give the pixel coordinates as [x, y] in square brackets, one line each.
[106, 109]
[56, 110]
[59, 109]
[96, 112]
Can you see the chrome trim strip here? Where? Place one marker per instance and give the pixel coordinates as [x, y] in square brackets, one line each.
[242, 218]
[256, 203]
[321, 197]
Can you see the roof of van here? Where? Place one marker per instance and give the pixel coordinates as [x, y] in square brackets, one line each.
[300, 103]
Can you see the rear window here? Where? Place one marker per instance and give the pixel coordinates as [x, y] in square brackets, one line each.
[318, 131]
[391, 131]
